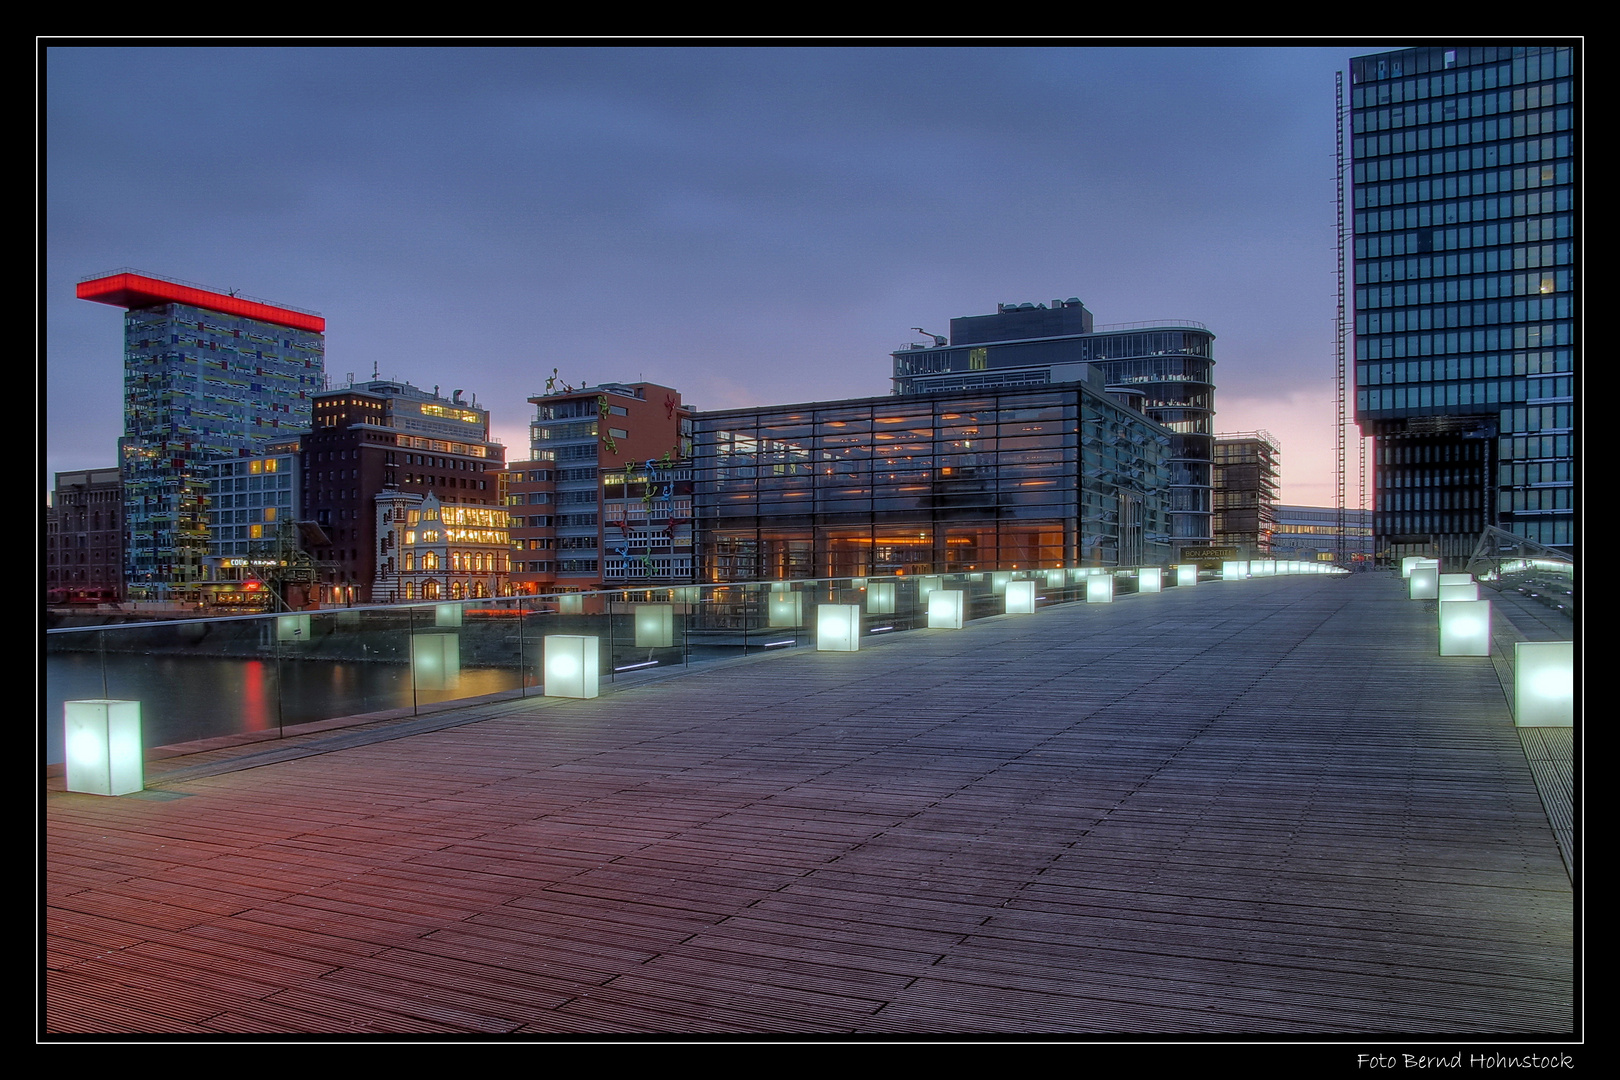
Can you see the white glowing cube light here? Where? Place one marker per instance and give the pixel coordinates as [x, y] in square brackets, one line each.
[1186, 574]
[1424, 583]
[435, 661]
[945, 609]
[1465, 627]
[880, 598]
[1544, 683]
[1148, 579]
[571, 666]
[786, 609]
[838, 627]
[1054, 579]
[1234, 571]
[1021, 597]
[998, 581]
[1408, 562]
[1100, 589]
[655, 626]
[292, 628]
[927, 585]
[1458, 590]
[102, 740]
[446, 614]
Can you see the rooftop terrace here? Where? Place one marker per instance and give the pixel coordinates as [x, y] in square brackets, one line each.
[1260, 807]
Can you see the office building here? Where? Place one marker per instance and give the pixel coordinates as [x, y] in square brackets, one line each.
[206, 375]
[1464, 174]
[607, 497]
[530, 494]
[1163, 369]
[258, 558]
[1312, 533]
[998, 478]
[84, 538]
[372, 441]
[1245, 475]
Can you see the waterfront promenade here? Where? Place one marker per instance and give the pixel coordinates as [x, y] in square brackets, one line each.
[1261, 807]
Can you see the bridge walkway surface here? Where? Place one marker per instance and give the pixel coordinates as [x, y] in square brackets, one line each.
[1263, 807]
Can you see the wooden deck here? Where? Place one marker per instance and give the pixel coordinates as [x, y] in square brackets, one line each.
[1261, 807]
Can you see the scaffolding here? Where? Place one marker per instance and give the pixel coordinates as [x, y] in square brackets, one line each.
[1246, 465]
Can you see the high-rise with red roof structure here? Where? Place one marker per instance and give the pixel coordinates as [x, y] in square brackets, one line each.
[207, 375]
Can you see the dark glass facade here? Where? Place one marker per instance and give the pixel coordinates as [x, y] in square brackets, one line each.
[1464, 200]
[1164, 370]
[978, 480]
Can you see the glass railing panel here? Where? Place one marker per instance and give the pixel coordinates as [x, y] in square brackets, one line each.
[344, 662]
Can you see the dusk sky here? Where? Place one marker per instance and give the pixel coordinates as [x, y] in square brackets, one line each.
[749, 225]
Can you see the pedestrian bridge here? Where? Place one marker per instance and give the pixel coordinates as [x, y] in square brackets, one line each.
[1261, 807]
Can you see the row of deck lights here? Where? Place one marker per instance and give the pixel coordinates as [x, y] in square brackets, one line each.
[1543, 671]
[103, 736]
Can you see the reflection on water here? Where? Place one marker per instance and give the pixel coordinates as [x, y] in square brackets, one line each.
[184, 698]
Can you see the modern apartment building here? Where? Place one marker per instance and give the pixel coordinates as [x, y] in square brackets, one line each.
[605, 499]
[1163, 369]
[1465, 187]
[1246, 467]
[206, 375]
[995, 478]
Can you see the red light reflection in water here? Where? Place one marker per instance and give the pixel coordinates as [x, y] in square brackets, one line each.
[255, 702]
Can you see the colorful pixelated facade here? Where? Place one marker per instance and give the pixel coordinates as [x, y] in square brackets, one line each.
[206, 375]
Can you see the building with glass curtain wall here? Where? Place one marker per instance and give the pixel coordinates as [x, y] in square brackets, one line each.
[206, 375]
[998, 478]
[1163, 369]
[1464, 170]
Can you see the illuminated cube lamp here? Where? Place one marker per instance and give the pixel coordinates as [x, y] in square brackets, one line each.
[1054, 579]
[1544, 683]
[1020, 597]
[435, 661]
[786, 609]
[880, 598]
[292, 627]
[838, 627]
[570, 666]
[1407, 563]
[102, 739]
[655, 626]
[926, 585]
[1186, 574]
[1424, 583]
[1458, 590]
[1232, 571]
[571, 604]
[945, 609]
[1148, 579]
[446, 614]
[998, 581]
[1465, 627]
[1100, 589]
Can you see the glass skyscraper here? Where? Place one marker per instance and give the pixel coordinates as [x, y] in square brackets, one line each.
[206, 375]
[1464, 220]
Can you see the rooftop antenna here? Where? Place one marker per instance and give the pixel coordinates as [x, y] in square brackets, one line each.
[374, 369]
